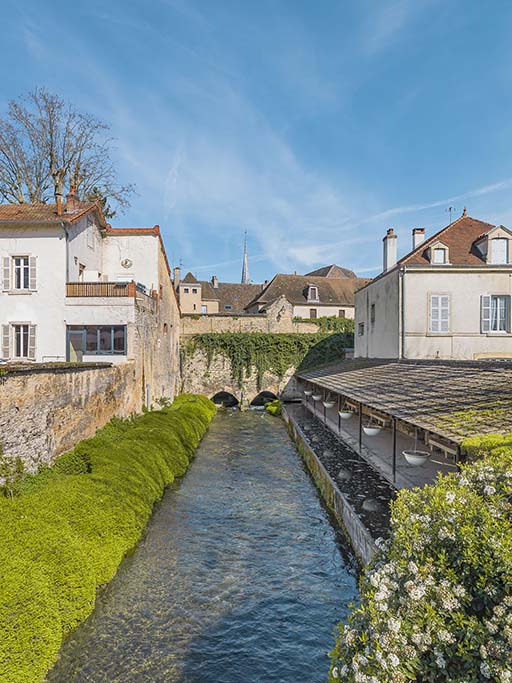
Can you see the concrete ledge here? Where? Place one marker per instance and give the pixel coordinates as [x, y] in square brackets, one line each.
[358, 535]
[9, 369]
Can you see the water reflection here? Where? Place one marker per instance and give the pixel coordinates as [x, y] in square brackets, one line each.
[241, 576]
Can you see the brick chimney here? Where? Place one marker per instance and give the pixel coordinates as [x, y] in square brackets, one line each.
[176, 277]
[72, 202]
[215, 281]
[390, 250]
[418, 236]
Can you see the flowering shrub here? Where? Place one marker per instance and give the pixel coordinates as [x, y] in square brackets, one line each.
[436, 604]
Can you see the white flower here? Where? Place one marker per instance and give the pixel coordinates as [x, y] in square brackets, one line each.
[450, 496]
[485, 670]
[334, 672]
[393, 660]
[489, 490]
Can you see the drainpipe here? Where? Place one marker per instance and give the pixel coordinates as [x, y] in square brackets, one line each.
[401, 297]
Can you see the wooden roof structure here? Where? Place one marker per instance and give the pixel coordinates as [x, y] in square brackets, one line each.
[453, 399]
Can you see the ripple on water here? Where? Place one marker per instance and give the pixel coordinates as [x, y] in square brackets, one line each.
[240, 576]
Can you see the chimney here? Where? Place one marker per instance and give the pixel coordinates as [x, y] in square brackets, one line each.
[72, 202]
[60, 204]
[215, 281]
[176, 277]
[389, 250]
[418, 235]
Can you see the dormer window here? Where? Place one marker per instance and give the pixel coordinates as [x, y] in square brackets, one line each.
[439, 255]
[312, 293]
[499, 251]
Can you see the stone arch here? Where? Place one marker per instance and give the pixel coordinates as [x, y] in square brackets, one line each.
[226, 399]
[262, 398]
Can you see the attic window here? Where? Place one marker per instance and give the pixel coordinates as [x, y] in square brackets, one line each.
[499, 250]
[312, 293]
[439, 255]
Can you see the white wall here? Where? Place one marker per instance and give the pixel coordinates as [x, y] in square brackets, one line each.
[142, 250]
[322, 310]
[380, 339]
[45, 306]
[84, 249]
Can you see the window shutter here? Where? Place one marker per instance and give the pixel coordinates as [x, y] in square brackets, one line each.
[6, 273]
[32, 342]
[6, 350]
[434, 313]
[32, 273]
[485, 313]
[444, 313]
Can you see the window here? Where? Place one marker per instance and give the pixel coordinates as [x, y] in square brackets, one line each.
[81, 271]
[439, 255]
[228, 307]
[372, 314]
[18, 273]
[495, 313]
[101, 339]
[166, 328]
[185, 290]
[360, 329]
[19, 341]
[194, 290]
[499, 250]
[342, 313]
[313, 313]
[312, 293]
[439, 318]
[204, 309]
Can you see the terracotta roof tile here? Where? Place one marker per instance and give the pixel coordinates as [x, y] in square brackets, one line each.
[42, 213]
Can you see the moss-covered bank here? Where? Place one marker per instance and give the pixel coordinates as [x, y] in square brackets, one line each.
[66, 532]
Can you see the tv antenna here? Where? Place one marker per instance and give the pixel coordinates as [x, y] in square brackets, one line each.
[450, 210]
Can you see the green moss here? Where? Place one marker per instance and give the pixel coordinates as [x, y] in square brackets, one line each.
[261, 352]
[66, 532]
[333, 324]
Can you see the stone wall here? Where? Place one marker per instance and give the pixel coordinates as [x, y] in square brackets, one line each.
[198, 377]
[44, 411]
[278, 318]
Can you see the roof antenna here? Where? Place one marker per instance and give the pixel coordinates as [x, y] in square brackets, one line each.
[450, 210]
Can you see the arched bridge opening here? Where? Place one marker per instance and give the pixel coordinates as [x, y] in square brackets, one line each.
[262, 398]
[225, 399]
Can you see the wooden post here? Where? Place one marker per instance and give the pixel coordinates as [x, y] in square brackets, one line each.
[394, 450]
[360, 427]
[339, 418]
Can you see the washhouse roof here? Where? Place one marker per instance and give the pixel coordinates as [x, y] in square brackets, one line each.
[453, 399]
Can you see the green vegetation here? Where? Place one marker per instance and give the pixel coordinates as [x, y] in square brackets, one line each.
[66, 531]
[273, 407]
[332, 324]
[270, 352]
[436, 606]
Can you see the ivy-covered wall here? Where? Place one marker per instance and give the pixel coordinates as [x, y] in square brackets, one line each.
[247, 363]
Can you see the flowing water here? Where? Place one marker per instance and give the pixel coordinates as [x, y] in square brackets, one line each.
[240, 577]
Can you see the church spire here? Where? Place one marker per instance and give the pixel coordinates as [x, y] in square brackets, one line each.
[245, 267]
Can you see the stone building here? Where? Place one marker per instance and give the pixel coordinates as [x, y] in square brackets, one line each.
[449, 297]
[75, 289]
[213, 297]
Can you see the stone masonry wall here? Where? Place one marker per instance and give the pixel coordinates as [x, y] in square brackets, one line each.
[44, 412]
[197, 377]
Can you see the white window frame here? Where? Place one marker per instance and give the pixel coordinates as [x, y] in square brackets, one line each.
[311, 297]
[26, 271]
[21, 272]
[28, 350]
[438, 250]
[507, 251]
[439, 306]
[488, 319]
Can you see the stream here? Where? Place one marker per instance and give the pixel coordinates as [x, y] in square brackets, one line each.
[240, 577]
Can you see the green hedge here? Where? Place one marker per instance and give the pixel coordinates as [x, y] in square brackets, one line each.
[66, 532]
[436, 606]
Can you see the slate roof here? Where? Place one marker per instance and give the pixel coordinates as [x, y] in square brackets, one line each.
[460, 237]
[334, 291]
[453, 399]
[42, 213]
[189, 278]
[333, 271]
[231, 294]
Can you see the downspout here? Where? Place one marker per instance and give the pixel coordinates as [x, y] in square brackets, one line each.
[401, 273]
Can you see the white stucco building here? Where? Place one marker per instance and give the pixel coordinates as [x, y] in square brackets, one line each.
[75, 289]
[450, 297]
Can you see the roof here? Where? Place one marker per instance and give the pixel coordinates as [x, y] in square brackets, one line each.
[460, 237]
[453, 399]
[45, 213]
[189, 278]
[333, 271]
[236, 295]
[334, 291]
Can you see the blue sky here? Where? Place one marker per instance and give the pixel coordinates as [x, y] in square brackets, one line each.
[313, 124]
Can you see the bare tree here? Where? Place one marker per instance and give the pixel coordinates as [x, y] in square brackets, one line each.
[44, 141]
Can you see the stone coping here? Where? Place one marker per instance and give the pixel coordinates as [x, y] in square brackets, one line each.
[29, 368]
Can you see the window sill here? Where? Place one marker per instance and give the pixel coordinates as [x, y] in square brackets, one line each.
[23, 292]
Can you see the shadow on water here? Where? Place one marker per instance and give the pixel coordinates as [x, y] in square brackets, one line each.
[239, 577]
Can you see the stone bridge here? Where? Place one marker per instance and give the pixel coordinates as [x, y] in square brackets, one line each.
[217, 383]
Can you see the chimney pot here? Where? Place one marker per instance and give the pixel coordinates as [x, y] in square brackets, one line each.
[215, 281]
[390, 250]
[176, 277]
[71, 199]
[418, 235]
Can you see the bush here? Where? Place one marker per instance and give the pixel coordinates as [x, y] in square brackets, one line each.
[437, 603]
[66, 532]
[274, 407]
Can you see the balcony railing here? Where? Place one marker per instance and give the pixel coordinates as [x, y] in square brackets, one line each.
[101, 289]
